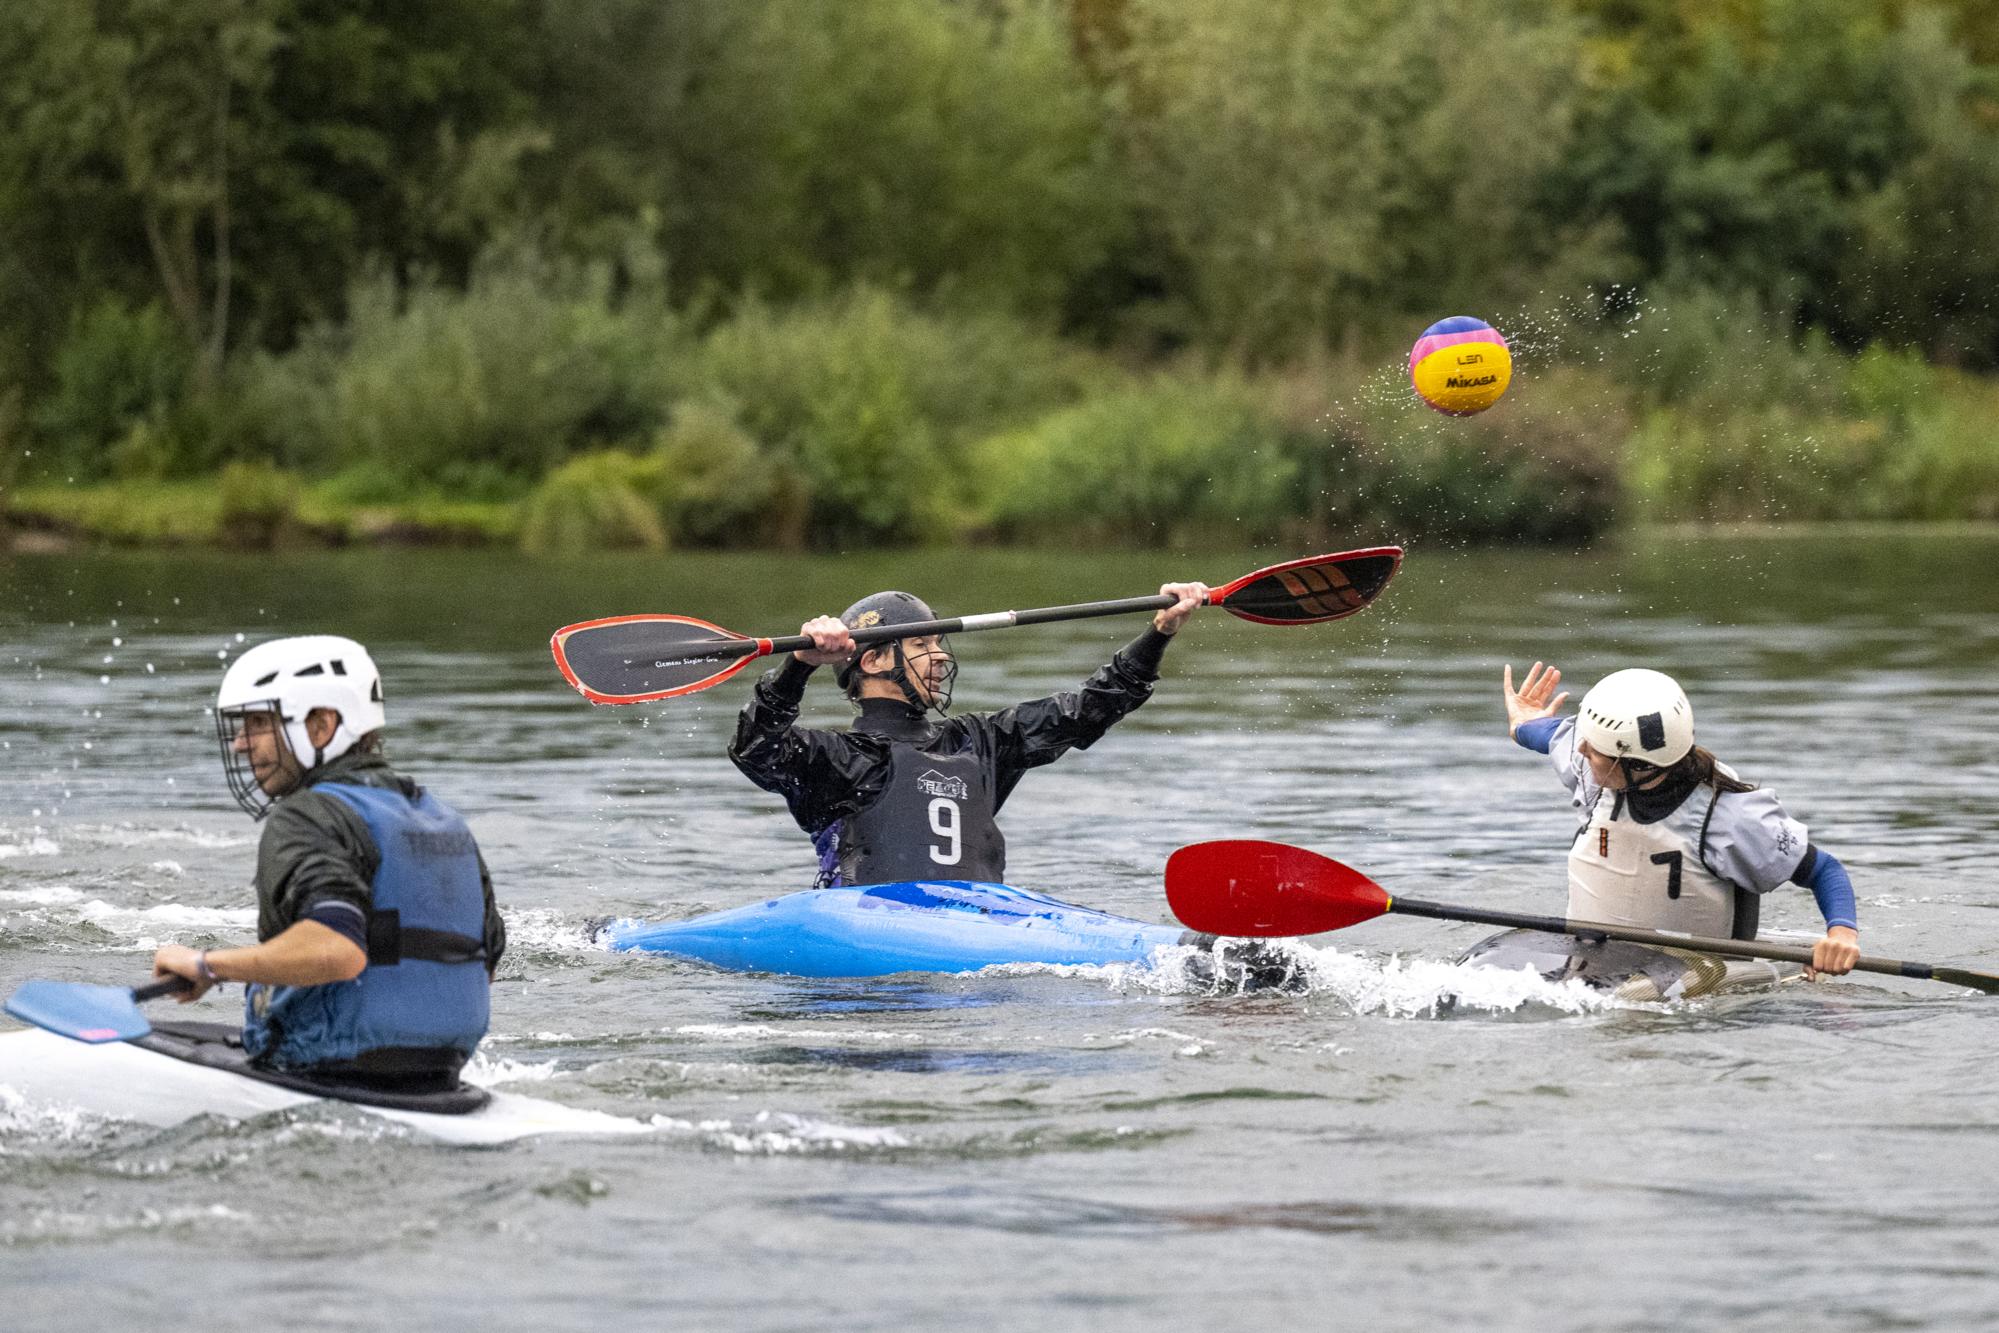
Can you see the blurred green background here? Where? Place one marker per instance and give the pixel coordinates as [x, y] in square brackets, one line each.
[577, 274]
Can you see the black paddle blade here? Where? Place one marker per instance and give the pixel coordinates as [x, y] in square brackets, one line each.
[1313, 590]
[631, 659]
[1964, 976]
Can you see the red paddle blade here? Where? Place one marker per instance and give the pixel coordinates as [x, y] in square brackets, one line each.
[1310, 591]
[1246, 887]
[631, 659]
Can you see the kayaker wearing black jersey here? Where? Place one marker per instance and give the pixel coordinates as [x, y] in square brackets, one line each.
[377, 928]
[909, 792]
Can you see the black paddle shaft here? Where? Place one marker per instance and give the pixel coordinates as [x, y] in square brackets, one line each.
[158, 989]
[1555, 925]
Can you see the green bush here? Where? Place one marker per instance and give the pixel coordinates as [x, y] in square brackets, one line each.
[942, 147]
[1765, 464]
[257, 503]
[1307, 169]
[117, 371]
[518, 373]
[714, 486]
[1170, 462]
[869, 403]
[1766, 429]
[1542, 466]
[1937, 462]
[594, 502]
[1702, 348]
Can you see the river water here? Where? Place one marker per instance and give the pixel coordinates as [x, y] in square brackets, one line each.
[1048, 1148]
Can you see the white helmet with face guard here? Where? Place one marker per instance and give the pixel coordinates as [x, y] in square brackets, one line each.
[288, 679]
[1637, 715]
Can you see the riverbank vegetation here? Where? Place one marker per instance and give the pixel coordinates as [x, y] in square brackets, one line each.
[1135, 271]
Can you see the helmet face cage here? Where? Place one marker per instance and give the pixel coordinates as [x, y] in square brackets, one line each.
[231, 724]
[947, 675]
[940, 693]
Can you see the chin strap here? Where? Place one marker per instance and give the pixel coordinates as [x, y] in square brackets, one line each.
[899, 673]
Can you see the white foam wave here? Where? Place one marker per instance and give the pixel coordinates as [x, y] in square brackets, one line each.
[338, 1124]
[82, 1226]
[32, 847]
[1394, 987]
[542, 930]
[1399, 988]
[53, 897]
[1143, 1034]
[731, 1031]
[131, 927]
[114, 919]
[21, 1118]
[485, 1071]
[130, 835]
[779, 1133]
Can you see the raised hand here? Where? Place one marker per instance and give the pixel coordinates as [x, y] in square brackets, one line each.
[832, 642]
[1191, 595]
[1535, 698]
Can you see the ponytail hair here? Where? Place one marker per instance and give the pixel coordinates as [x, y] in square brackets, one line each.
[1705, 768]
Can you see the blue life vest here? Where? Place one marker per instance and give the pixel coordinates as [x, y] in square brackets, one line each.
[425, 985]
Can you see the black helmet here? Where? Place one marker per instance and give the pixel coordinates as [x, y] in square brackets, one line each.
[877, 609]
[891, 609]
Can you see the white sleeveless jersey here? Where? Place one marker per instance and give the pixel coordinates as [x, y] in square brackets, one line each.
[1696, 870]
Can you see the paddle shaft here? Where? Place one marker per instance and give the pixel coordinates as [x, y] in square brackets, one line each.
[1556, 925]
[724, 649]
[155, 990]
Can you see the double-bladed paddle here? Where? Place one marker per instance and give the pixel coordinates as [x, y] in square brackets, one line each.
[89, 1013]
[1248, 887]
[633, 659]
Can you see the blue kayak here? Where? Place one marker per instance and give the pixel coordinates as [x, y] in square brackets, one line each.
[877, 930]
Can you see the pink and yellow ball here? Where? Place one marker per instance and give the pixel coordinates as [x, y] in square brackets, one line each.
[1460, 365]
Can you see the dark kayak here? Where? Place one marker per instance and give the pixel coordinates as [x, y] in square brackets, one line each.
[1628, 971]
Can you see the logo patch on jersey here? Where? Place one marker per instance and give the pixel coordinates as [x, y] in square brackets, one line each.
[1787, 841]
[1603, 842]
[934, 783]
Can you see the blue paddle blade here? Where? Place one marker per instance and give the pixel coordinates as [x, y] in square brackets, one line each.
[80, 1012]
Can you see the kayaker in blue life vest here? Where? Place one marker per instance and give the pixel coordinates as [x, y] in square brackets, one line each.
[911, 793]
[376, 927]
[1671, 838]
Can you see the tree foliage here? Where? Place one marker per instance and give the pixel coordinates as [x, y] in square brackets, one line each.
[476, 238]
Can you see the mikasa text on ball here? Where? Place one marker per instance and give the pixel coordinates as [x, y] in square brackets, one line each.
[1460, 365]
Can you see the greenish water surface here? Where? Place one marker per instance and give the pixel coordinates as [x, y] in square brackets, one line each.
[1049, 1148]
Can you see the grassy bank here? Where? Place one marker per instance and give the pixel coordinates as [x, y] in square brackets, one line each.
[549, 416]
[250, 508]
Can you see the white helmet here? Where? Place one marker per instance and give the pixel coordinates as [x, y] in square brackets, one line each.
[290, 678]
[1639, 715]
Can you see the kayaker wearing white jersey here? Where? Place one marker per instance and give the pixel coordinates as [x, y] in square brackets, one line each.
[1671, 838]
[910, 793]
[377, 928]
